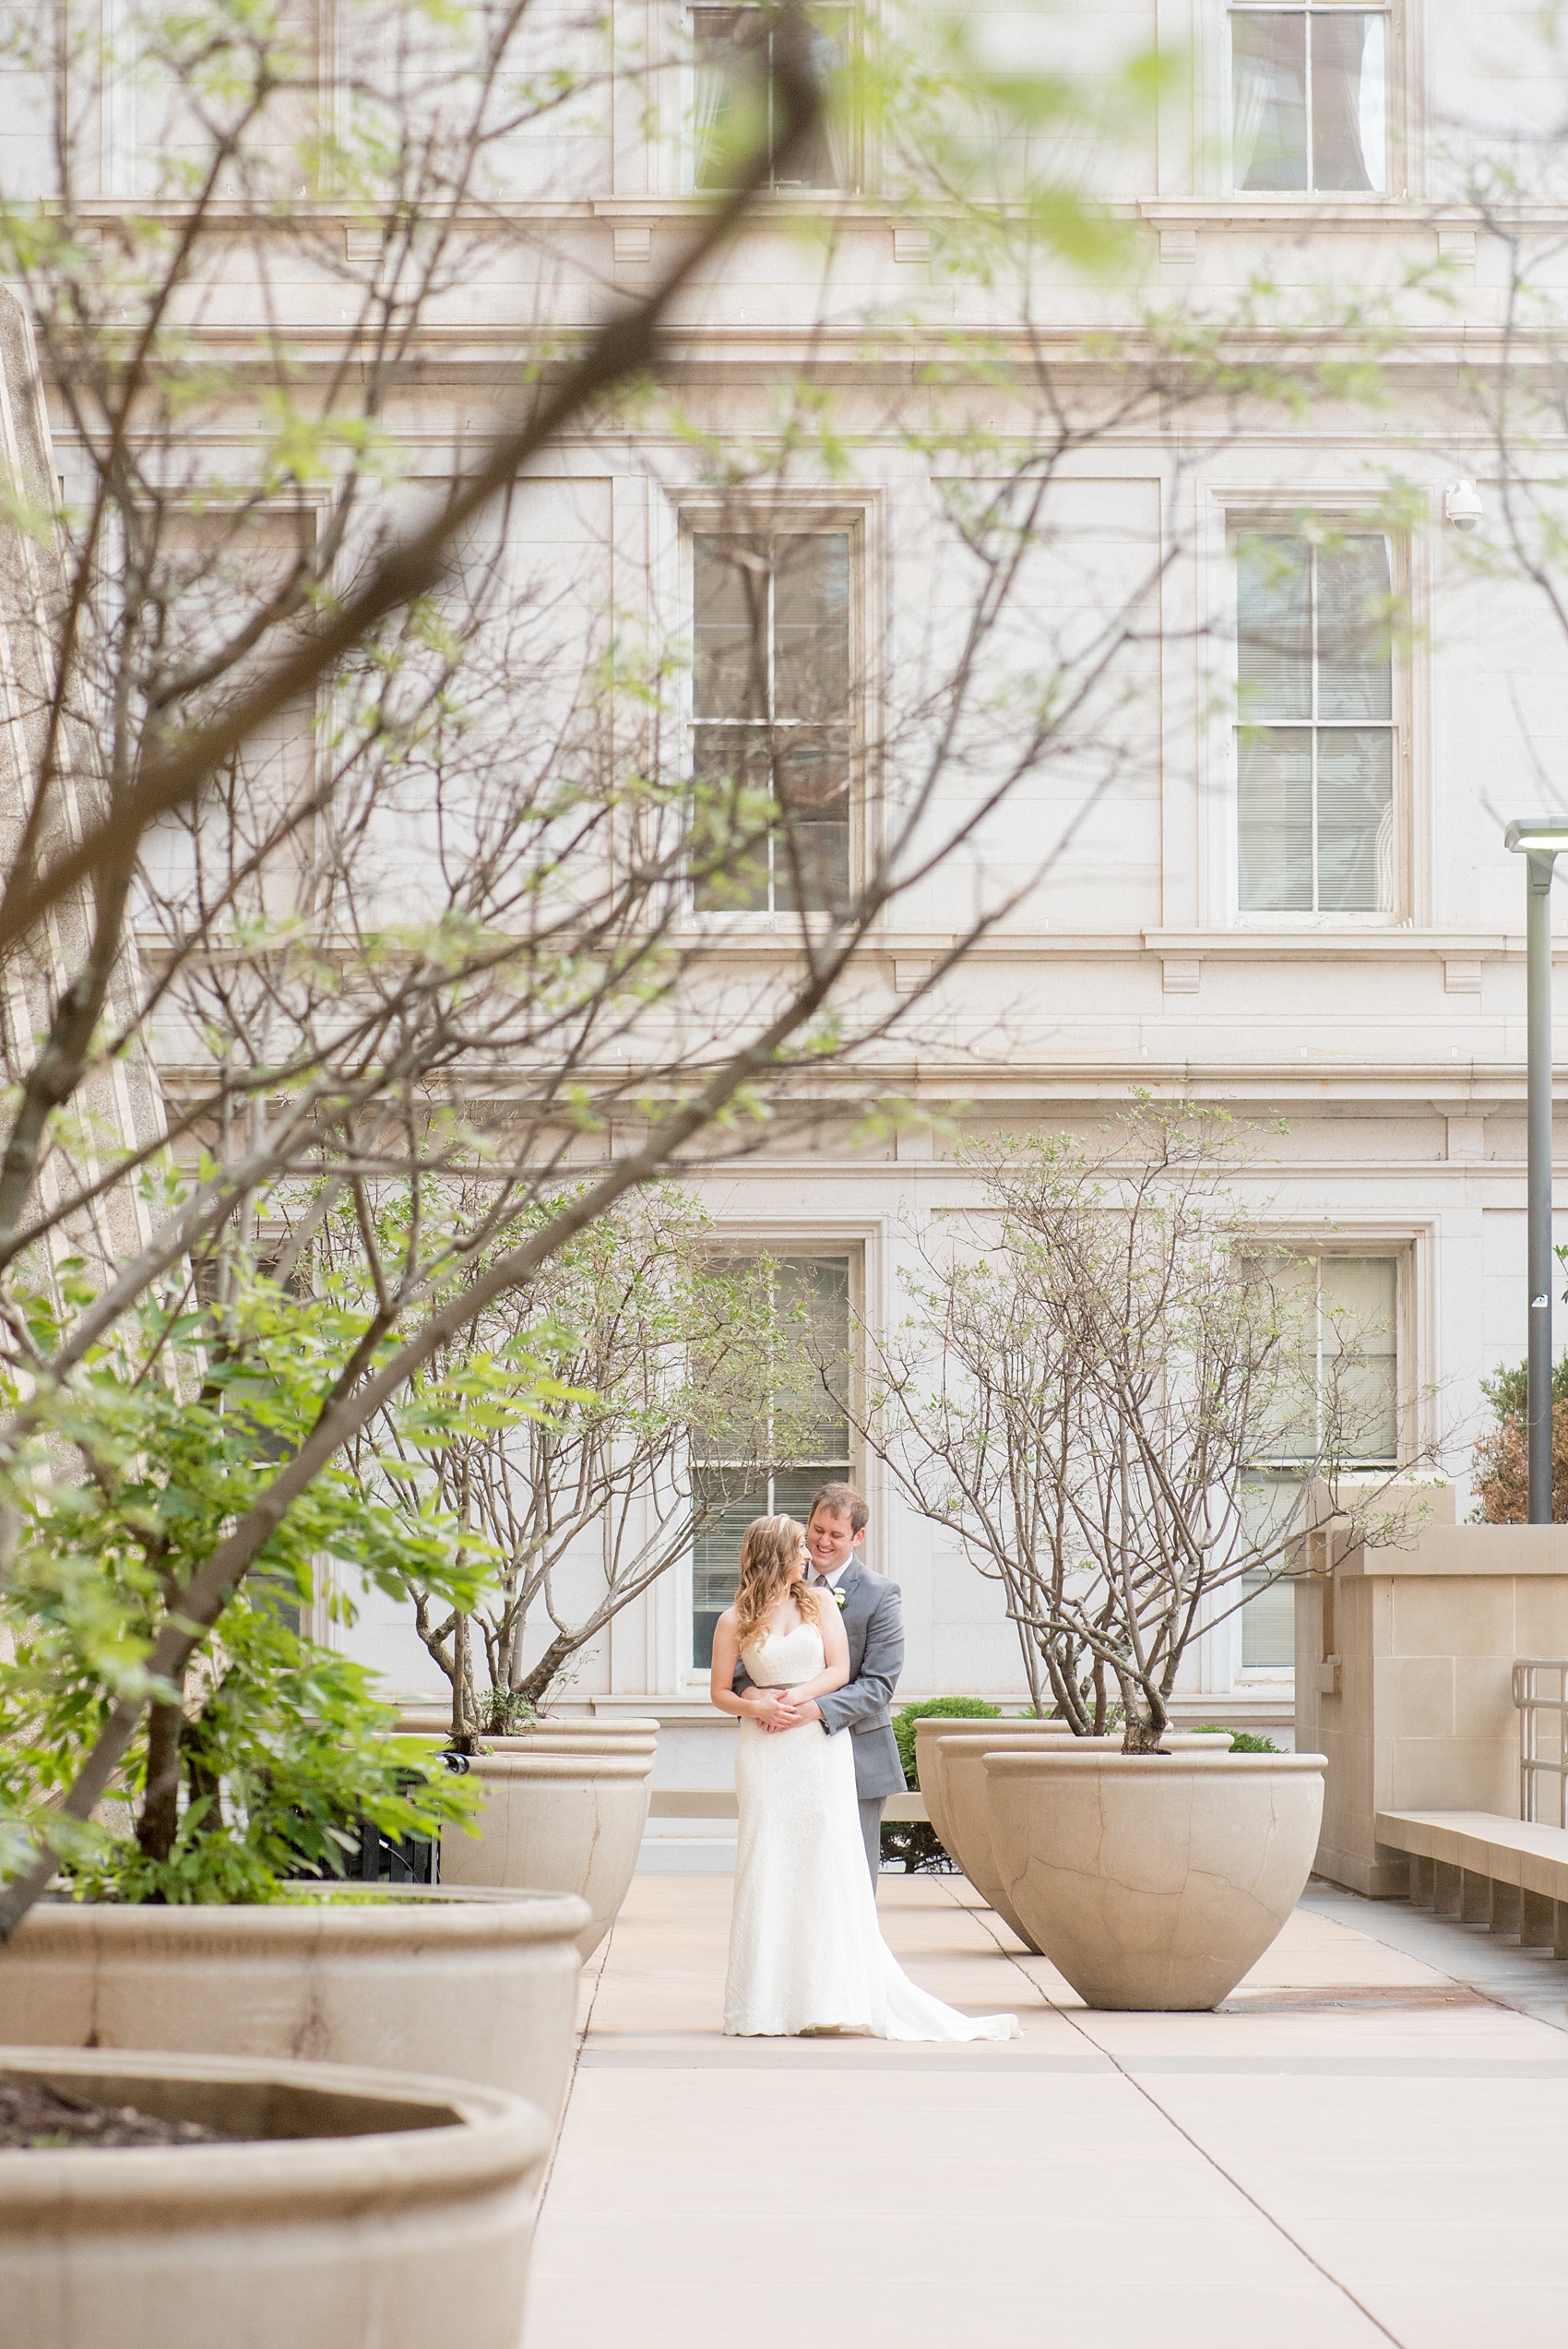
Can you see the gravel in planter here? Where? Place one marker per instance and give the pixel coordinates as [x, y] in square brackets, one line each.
[33, 2115]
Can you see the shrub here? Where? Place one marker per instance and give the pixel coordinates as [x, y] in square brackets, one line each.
[1242, 1741]
[935, 1708]
[915, 1843]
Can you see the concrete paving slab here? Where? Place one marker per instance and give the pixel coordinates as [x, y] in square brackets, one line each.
[1359, 2149]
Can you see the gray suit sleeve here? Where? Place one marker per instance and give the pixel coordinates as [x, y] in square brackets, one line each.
[872, 1689]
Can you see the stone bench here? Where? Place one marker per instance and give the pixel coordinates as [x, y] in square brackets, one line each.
[719, 1802]
[1510, 1875]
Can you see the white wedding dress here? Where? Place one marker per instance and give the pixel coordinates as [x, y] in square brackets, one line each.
[805, 1953]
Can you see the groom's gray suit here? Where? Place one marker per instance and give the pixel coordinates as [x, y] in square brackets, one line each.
[873, 1623]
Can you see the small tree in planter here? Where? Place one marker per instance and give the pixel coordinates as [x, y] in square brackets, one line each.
[254, 1759]
[1098, 1364]
[681, 1382]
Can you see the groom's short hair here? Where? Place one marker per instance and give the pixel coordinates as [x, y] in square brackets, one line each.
[841, 1500]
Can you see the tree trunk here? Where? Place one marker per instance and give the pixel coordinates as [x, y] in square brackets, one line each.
[465, 1725]
[160, 1821]
[1146, 1722]
[535, 1685]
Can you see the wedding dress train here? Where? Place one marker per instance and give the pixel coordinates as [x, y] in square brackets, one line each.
[805, 1949]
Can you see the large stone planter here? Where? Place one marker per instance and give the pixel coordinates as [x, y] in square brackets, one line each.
[422, 1721]
[371, 2210]
[1153, 1881]
[565, 1822]
[960, 1765]
[929, 1770]
[474, 1985]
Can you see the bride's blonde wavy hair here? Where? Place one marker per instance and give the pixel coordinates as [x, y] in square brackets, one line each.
[767, 1555]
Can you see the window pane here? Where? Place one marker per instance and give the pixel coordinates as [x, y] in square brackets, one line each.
[1269, 53]
[1274, 650]
[811, 627]
[1355, 676]
[817, 1288]
[1268, 1625]
[811, 856]
[731, 832]
[1274, 785]
[729, 613]
[716, 1559]
[1271, 1509]
[1360, 1296]
[1355, 819]
[826, 157]
[730, 55]
[1348, 102]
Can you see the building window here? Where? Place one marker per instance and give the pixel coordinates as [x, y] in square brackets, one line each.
[771, 720]
[1352, 1310]
[815, 1292]
[1310, 100]
[1315, 738]
[732, 54]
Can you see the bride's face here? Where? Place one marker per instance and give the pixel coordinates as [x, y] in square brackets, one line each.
[800, 1562]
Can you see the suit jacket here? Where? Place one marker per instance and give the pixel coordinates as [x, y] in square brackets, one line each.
[873, 1622]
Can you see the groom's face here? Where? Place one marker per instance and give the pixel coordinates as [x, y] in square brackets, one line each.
[830, 1538]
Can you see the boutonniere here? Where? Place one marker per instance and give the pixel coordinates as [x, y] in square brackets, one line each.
[842, 1598]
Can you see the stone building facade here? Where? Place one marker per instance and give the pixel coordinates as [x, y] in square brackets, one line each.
[1311, 922]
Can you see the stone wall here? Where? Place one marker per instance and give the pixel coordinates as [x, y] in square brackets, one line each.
[1404, 1676]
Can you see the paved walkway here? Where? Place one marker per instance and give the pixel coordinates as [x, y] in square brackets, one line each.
[1368, 2144]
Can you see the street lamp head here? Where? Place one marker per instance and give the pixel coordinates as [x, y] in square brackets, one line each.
[1537, 835]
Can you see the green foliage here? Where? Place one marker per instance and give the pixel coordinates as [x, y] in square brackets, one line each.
[1507, 1391]
[133, 1469]
[507, 1713]
[1242, 1741]
[935, 1708]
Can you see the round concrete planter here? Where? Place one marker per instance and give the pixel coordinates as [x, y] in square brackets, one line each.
[469, 1985]
[369, 2210]
[576, 1741]
[928, 1756]
[961, 1766]
[1153, 1881]
[422, 1721]
[564, 1822]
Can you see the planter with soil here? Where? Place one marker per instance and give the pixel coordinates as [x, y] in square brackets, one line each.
[560, 1821]
[258, 2205]
[468, 1985]
[1153, 1880]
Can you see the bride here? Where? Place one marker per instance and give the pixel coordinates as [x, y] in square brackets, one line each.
[805, 1954]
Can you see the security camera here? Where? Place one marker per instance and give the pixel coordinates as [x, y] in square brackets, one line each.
[1462, 506]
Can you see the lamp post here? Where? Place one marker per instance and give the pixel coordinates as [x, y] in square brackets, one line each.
[1539, 839]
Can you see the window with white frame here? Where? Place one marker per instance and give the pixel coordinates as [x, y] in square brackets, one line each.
[1310, 100]
[816, 1288]
[772, 740]
[1351, 1310]
[735, 101]
[1315, 733]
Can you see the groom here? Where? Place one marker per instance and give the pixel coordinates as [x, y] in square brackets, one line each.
[873, 1621]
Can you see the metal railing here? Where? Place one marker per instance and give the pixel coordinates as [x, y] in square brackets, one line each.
[1540, 1695]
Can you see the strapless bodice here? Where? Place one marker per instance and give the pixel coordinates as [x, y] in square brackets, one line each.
[781, 1658]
